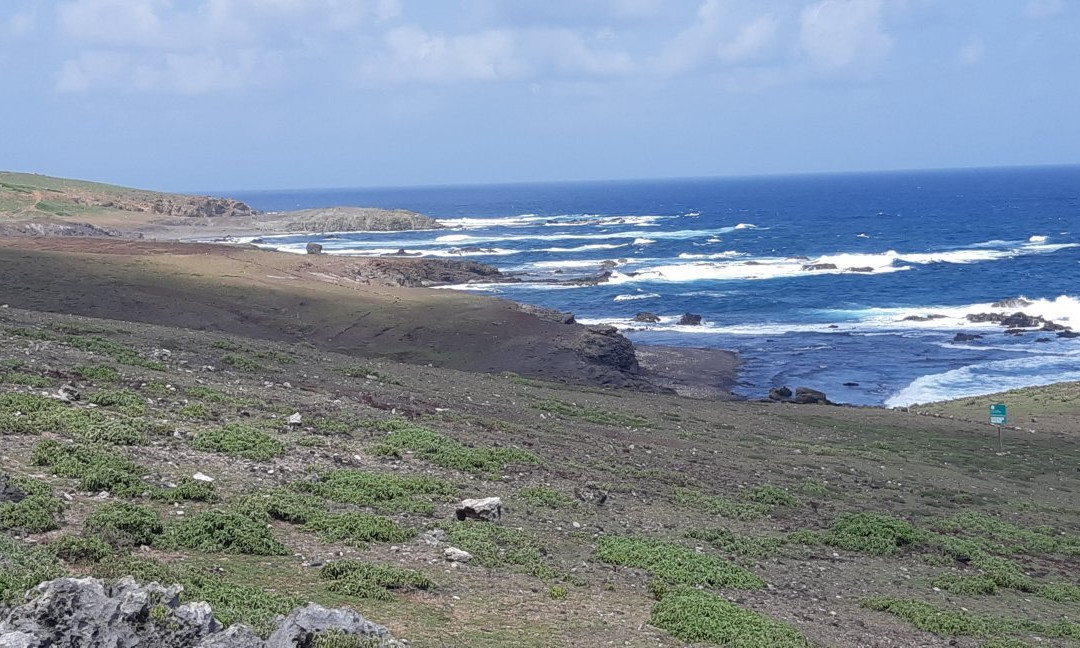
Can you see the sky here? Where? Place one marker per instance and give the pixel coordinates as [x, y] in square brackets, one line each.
[199, 95]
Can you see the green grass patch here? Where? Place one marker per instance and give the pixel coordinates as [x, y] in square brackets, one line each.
[810, 486]
[592, 415]
[196, 411]
[497, 546]
[284, 504]
[717, 505]
[371, 581]
[240, 362]
[427, 445]
[384, 492]
[240, 440]
[1005, 537]
[30, 414]
[97, 372]
[97, 467]
[38, 512]
[124, 400]
[80, 550]
[226, 345]
[187, 489]
[948, 623]
[966, 584]
[26, 380]
[357, 528]
[208, 394]
[223, 532]
[694, 616]
[23, 567]
[770, 495]
[675, 564]
[121, 524]
[545, 496]
[114, 350]
[868, 533]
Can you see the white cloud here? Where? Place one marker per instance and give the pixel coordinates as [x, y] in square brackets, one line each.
[1038, 9]
[971, 53]
[113, 22]
[753, 39]
[844, 35]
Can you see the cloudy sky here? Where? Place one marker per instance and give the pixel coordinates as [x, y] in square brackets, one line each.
[249, 94]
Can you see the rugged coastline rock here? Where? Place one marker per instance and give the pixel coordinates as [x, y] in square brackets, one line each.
[808, 396]
[781, 393]
[690, 319]
[355, 219]
[647, 317]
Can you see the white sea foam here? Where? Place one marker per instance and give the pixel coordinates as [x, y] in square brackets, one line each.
[987, 378]
[636, 297]
[584, 248]
[729, 254]
[1038, 239]
[632, 234]
[643, 241]
[741, 226]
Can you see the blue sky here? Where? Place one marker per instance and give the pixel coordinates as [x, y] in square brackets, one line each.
[263, 94]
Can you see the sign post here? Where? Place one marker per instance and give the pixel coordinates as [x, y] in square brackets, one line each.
[998, 417]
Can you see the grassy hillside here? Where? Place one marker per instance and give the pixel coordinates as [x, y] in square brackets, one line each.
[630, 519]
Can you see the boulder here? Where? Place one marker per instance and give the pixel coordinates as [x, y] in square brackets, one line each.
[690, 319]
[646, 316]
[300, 628]
[488, 509]
[1021, 320]
[861, 269]
[807, 396]
[295, 420]
[314, 248]
[779, 394]
[68, 393]
[453, 554]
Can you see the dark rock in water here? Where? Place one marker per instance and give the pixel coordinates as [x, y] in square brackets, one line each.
[1051, 326]
[922, 318]
[980, 318]
[609, 264]
[646, 316]
[820, 266]
[1021, 320]
[90, 613]
[807, 396]
[851, 384]
[966, 337]
[861, 269]
[779, 394]
[1068, 334]
[690, 319]
[9, 492]
[832, 326]
[1015, 302]
[314, 248]
[1043, 339]
[1015, 331]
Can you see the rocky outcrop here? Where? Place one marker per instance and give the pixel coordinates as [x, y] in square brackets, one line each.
[780, 394]
[807, 396]
[1015, 302]
[488, 509]
[690, 319]
[419, 273]
[966, 337]
[90, 613]
[356, 219]
[647, 317]
[603, 345]
[191, 207]
[48, 228]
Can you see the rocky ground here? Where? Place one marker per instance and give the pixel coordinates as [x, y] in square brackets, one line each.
[628, 518]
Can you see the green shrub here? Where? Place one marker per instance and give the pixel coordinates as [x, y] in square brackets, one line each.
[674, 563]
[36, 513]
[223, 532]
[559, 593]
[97, 372]
[357, 528]
[226, 345]
[116, 351]
[544, 496]
[947, 623]
[27, 380]
[240, 440]
[813, 487]
[871, 533]
[428, 445]
[726, 540]
[694, 616]
[121, 524]
[77, 550]
[381, 491]
[722, 506]
[125, 400]
[189, 489]
[286, 505]
[195, 411]
[368, 580]
[33, 415]
[241, 362]
[770, 495]
[208, 394]
[497, 546]
[592, 415]
[966, 584]
[23, 567]
[96, 467]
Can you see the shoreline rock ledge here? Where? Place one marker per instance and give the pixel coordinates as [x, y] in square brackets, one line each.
[91, 613]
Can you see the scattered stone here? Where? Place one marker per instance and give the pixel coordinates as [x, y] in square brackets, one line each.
[295, 419]
[646, 316]
[488, 509]
[314, 248]
[779, 394]
[690, 319]
[591, 493]
[161, 354]
[201, 477]
[68, 393]
[434, 537]
[453, 554]
[807, 396]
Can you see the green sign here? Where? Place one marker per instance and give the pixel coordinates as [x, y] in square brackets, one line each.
[997, 414]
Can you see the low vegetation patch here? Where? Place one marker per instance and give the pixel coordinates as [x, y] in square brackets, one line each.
[187, 489]
[38, 512]
[80, 550]
[497, 546]
[97, 467]
[371, 581]
[23, 567]
[695, 616]
[124, 400]
[114, 350]
[729, 542]
[675, 564]
[592, 415]
[383, 492]
[34, 415]
[240, 440]
[545, 496]
[208, 394]
[97, 372]
[223, 532]
[722, 506]
[427, 445]
[122, 524]
[240, 362]
[26, 380]
[357, 528]
[868, 533]
[949, 623]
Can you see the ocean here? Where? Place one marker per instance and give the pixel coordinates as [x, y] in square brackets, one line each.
[854, 284]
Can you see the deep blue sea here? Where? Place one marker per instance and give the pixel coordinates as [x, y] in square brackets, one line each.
[741, 253]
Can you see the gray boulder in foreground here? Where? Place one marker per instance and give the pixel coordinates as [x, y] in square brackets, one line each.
[90, 613]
